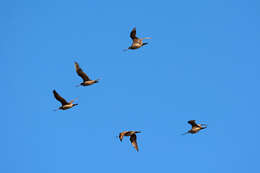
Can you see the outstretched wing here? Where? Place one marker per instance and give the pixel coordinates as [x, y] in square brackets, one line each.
[133, 141]
[133, 33]
[73, 100]
[193, 123]
[59, 98]
[81, 73]
[121, 135]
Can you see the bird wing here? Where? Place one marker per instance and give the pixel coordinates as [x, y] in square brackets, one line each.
[73, 100]
[81, 73]
[133, 141]
[121, 135]
[133, 33]
[193, 123]
[59, 98]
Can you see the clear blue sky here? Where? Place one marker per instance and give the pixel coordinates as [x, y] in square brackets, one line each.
[202, 63]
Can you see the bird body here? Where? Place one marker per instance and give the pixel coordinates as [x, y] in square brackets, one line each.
[137, 42]
[89, 82]
[86, 80]
[132, 135]
[67, 106]
[195, 128]
[136, 45]
[64, 104]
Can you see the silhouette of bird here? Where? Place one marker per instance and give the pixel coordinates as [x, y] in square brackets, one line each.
[64, 103]
[132, 135]
[137, 42]
[195, 127]
[86, 80]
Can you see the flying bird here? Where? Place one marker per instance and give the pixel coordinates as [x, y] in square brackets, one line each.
[132, 135]
[64, 104]
[137, 42]
[86, 80]
[195, 127]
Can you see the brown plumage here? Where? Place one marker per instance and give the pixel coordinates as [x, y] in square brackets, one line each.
[86, 80]
[137, 42]
[132, 135]
[195, 128]
[64, 104]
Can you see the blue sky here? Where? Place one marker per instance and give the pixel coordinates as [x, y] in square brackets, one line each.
[202, 63]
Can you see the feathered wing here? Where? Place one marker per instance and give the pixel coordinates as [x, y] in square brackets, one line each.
[121, 135]
[133, 34]
[133, 141]
[59, 98]
[73, 100]
[81, 73]
[193, 123]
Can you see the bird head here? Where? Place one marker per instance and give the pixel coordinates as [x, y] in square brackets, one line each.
[75, 104]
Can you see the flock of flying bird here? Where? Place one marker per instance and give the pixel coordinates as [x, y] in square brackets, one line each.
[137, 43]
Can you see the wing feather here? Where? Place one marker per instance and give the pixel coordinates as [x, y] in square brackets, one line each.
[193, 123]
[133, 141]
[81, 73]
[59, 98]
[121, 135]
[133, 34]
